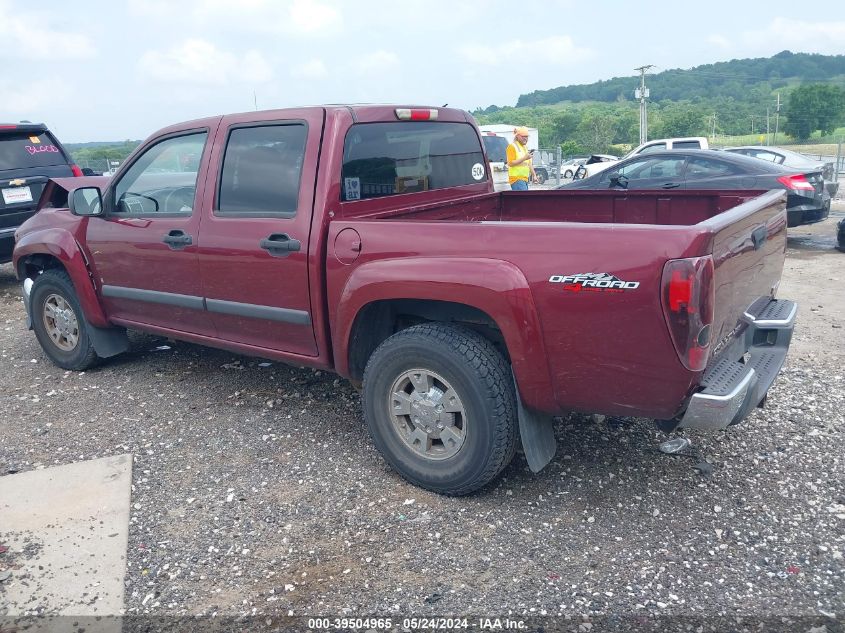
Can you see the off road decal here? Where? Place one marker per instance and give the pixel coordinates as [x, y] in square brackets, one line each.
[593, 282]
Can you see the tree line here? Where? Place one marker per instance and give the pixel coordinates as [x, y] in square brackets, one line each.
[719, 98]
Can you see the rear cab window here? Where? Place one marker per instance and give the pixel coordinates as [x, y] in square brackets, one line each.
[686, 145]
[385, 159]
[23, 150]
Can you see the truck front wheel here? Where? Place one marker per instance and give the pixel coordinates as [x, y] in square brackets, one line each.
[440, 406]
[59, 324]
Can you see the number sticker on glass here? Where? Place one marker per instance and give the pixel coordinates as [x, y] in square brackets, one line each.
[478, 171]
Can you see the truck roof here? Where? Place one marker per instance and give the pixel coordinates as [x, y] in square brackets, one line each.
[361, 113]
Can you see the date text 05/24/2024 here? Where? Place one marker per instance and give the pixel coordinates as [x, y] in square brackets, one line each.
[417, 624]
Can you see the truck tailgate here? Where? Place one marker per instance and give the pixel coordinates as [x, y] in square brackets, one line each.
[749, 247]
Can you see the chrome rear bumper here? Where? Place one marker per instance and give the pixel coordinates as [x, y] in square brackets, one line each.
[742, 378]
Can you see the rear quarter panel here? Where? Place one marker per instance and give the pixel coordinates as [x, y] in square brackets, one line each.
[591, 351]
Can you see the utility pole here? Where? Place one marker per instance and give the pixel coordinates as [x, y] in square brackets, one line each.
[767, 126]
[642, 94]
[777, 116]
[713, 134]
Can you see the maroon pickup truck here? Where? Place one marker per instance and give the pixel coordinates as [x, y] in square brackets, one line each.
[368, 240]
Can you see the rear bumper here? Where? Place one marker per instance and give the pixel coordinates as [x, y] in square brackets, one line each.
[741, 379]
[810, 212]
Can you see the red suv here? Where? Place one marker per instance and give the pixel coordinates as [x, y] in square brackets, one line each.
[29, 156]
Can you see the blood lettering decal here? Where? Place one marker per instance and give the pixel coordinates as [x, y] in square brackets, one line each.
[32, 149]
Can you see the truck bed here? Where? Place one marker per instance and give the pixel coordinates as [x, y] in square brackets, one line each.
[676, 208]
[607, 352]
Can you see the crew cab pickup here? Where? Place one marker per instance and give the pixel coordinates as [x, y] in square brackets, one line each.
[368, 240]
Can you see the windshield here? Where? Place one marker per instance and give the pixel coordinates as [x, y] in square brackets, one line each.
[20, 150]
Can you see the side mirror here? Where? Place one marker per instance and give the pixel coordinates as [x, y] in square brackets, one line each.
[86, 201]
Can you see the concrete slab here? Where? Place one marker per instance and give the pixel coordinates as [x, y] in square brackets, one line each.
[67, 530]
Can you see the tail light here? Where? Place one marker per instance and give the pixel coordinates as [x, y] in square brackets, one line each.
[76, 171]
[797, 182]
[688, 296]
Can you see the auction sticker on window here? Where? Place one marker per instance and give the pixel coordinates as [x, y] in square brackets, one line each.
[478, 171]
[17, 195]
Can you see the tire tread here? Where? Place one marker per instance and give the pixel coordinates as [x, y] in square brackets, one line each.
[483, 357]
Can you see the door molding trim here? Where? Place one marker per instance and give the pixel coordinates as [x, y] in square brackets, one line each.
[219, 306]
[270, 313]
[155, 296]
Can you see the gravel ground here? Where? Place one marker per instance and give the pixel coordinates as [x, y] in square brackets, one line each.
[257, 490]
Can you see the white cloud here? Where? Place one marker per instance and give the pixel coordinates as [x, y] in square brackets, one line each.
[303, 18]
[30, 36]
[312, 17]
[312, 69]
[380, 61]
[719, 41]
[790, 34]
[26, 99]
[558, 50]
[200, 62]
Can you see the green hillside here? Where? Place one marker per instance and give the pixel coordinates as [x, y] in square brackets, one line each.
[738, 97]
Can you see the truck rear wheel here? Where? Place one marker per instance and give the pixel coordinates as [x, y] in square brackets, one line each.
[440, 406]
[59, 324]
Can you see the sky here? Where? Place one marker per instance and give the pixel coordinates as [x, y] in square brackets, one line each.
[112, 70]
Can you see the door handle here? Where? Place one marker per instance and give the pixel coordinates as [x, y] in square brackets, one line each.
[758, 237]
[671, 185]
[280, 244]
[177, 239]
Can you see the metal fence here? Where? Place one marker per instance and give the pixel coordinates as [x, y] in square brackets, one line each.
[547, 164]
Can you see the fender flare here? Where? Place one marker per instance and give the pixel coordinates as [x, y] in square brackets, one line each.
[496, 287]
[60, 244]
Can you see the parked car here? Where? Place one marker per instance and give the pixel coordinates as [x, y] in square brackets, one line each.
[543, 171]
[657, 145]
[840, 235]
[568, 167]
[807, 199]
[594, 164]
[663, 144]
[29, 156]
[368, 241]
[788, 158]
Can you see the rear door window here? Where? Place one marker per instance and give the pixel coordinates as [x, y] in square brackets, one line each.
[22, 150]
[261, 170]
[385, 159]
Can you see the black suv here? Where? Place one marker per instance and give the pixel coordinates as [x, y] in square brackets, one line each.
[29, 156]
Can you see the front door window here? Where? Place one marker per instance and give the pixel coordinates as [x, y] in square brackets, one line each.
[163, 180]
